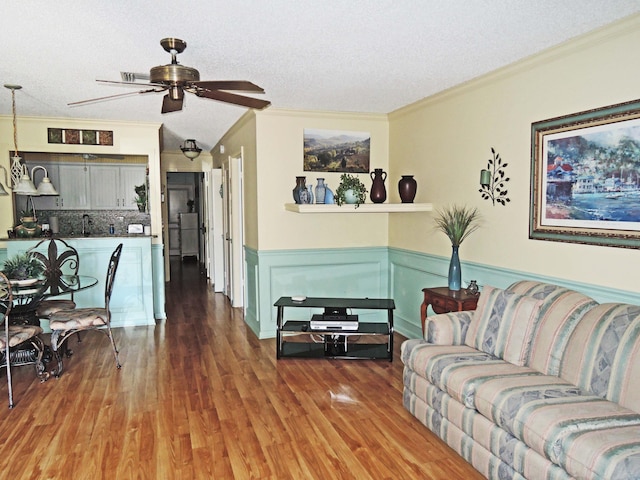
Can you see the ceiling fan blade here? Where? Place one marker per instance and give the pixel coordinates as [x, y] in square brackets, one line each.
[233, 98]
[109, 97]
[237, 85]
[171, 105]
[137, 84]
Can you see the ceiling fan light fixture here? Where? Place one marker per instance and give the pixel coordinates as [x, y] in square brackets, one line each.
[190, 149]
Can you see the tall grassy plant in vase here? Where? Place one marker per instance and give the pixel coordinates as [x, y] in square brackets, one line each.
[457, 223]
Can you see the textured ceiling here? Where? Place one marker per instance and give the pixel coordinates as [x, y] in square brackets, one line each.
[330, 55]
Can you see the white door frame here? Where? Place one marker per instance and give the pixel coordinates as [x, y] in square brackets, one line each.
[233, 196]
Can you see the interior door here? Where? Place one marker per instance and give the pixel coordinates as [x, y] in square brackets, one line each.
[226, 225]
[178, 195]
[233, 230]
[216, 231]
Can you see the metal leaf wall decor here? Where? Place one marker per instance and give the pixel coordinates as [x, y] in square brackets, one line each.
[496, 190]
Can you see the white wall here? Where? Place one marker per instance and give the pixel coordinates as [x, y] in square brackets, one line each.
[280, 160]
[446, 140]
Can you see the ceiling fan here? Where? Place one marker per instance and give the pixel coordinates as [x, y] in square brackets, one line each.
[176, 79]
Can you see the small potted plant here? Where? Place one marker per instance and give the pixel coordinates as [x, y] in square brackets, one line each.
[351, 190]
[22, 266]
[28, 216]
[141, 197]
[28, 226]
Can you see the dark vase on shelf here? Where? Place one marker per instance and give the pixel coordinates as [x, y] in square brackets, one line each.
[455, 275]
[300, 186]
[407, 187]
[378, 192]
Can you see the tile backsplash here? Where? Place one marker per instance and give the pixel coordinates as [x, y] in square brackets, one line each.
[70, 221]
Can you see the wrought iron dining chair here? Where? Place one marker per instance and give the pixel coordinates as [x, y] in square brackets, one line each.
[58, 258]
[65, 323]
[16, 337]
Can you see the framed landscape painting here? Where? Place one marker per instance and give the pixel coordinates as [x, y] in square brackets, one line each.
[585, 177]
[336, 151]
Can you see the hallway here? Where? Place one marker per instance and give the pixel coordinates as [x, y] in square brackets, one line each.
[200, 397]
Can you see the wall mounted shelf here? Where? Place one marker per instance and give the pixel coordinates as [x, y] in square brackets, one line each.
[363, 208]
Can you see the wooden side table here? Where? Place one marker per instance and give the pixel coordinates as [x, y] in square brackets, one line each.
[443, 300]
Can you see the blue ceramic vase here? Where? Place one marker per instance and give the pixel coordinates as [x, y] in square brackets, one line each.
[455, 275]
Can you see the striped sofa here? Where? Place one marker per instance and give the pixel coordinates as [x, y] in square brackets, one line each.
[536, 383]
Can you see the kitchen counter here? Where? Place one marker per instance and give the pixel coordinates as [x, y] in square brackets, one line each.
[135, 301]
[81, 237]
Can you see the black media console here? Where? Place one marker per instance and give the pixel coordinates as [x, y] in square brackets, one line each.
[371, 340]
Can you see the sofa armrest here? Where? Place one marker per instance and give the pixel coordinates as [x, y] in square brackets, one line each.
[448, 328]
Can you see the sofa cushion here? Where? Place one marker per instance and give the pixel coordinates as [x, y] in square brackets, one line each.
[603, 354]
[611, 453]
[456, 370]
[503, 324]
[559, 313]
[542, 411]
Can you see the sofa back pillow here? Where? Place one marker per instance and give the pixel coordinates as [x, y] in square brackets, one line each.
[503, 324]
[603, 354]
[561, 310]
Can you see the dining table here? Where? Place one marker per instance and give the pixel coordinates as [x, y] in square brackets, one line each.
[27, 294]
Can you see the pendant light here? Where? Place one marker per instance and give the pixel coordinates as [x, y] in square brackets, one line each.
[22, 183]
[190, 149]
[16, 165]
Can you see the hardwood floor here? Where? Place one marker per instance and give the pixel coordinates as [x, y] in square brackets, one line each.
[199, 397]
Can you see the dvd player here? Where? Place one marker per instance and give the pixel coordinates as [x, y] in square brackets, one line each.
[325, 322]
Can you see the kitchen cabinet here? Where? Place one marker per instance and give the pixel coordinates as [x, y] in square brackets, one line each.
[113, 186]
[90, 186]
[69, 179]
[72, 187]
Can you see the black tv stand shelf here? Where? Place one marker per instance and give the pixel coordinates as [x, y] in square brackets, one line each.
[295, 338]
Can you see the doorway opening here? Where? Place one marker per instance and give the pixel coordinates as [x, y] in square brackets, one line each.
[185, 222]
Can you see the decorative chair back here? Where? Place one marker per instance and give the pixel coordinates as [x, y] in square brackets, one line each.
[58, 258]
[6, 300]
[111, 275]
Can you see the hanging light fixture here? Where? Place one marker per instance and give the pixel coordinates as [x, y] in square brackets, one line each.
[16, 165]
[22, 183]
[190, 149]
[45, 187]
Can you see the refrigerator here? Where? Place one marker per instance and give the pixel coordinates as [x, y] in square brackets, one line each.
[189, 235]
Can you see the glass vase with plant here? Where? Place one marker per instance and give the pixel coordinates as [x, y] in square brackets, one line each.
[351, 190]
[457, 223]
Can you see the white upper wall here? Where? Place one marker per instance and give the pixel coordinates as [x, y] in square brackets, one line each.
[445, 140]
[272, 142]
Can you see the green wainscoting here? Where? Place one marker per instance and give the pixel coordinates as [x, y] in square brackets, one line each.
[374, 272]
[132, 300]
[357, 272]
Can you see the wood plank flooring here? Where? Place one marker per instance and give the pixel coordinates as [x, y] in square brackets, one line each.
[200, 397]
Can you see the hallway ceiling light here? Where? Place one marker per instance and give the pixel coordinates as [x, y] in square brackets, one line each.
[190, 149]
